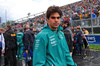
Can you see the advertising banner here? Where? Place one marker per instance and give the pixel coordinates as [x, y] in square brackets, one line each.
[93, 39]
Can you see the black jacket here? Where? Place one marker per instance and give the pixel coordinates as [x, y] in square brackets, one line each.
[28, 38]
[10, 40]
[68, 39]
[79, 37]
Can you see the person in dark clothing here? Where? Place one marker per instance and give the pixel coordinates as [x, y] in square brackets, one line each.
[15, 30]
[28, 38]
[86, 33]
[24, 29]
[31, 28]
[10, 46]
[68, 35]
[79, 40]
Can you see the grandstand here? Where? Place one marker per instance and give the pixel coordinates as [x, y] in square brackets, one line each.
[78, 13]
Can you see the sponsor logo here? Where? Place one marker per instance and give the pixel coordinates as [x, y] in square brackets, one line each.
[13, 34]
[91, 39]
[53, 41]
[61, 36]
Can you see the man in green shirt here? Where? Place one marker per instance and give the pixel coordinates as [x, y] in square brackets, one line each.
[20, 45]
[50, 46]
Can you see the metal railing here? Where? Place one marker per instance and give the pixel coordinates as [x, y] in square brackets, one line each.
[86, 22]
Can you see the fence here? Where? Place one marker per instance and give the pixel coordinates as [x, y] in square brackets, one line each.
[87, 23]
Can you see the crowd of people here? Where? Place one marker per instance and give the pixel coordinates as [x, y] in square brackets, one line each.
[79, 10]
[75, 37]
[53, 45]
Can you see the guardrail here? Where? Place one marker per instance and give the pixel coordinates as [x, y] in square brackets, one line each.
[86, 22]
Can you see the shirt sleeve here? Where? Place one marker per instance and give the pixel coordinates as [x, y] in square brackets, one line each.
[26, 41]
[39, 52]
[3, 43]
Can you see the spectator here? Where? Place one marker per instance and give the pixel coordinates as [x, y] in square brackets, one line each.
[20, 45]
[28, 40]
[68, 35]
[15, 30]
[94, 15]
[79, 41]
[94, 20]
[10, 46]
[2, 44]
[86, 33]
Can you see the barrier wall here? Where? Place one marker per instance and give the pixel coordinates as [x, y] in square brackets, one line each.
[93, 39]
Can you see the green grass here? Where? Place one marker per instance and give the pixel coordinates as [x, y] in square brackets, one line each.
[95, 47]
[95, 34]
[92, 46]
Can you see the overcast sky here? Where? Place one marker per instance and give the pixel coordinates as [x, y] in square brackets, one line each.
[16, 9]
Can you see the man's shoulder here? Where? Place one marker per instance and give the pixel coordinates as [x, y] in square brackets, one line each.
[66, 30]
[61, 32]
[20, 33]
[8, 32]
[79, 32]
[42, 33]
[26, 32]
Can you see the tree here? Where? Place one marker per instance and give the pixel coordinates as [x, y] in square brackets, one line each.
[3, 25]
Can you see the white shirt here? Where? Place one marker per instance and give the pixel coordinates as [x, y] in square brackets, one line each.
[3, 41]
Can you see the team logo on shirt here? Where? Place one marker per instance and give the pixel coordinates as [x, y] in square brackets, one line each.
[53, 40]
[37, 43]
[61, 36]
[13, 34]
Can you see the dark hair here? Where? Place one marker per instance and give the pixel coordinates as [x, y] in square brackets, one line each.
[84, 28]
[21, 30]
[15, 30]
[31, 28]
[78, 28]
[68, 23]
[53, 9]
[8, 26]
[24, 29]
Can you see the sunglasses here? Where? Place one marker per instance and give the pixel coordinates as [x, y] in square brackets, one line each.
[55, 17]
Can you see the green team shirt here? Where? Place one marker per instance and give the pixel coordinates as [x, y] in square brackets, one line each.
[50, 49]
[20, 38]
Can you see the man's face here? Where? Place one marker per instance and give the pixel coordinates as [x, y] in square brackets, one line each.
[72, 28]
[0, 31]
[54, 21]
[77, 29]
[65, 24]
[83, 29]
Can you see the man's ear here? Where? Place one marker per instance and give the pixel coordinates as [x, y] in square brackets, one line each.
[47, 19]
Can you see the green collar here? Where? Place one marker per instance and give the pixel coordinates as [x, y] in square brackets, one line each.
[58, 29]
